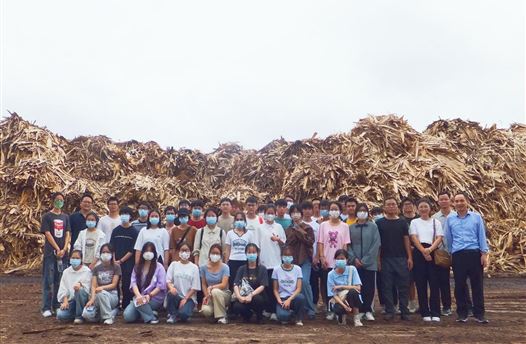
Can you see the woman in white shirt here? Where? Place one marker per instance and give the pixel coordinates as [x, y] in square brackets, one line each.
[157, 235]
[90, 240]
[426, 234]
[270, 237]
[236, 242]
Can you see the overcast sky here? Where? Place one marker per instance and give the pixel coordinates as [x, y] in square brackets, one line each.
[200, 73]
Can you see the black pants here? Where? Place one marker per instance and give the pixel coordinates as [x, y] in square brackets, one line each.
[381, 293]
[127, 294]
[353, 299]
[323, 284]
[444, 286]
[466, 263]
[426, 274]
[315, 283]
[245, 310]
[368, 278]
[270, 302]
[395, 273]
[234, 265]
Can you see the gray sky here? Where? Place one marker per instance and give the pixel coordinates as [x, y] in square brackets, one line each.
[199, 73]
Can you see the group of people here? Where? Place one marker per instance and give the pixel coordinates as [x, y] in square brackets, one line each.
[277, 260]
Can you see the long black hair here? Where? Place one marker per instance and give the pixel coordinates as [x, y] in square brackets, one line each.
[109, 248]
[257, 251]
[140, 266]
[149, 224]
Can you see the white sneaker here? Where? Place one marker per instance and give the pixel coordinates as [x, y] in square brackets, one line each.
[154, 321]
[108, 321]
[78, 321]
[223, 321]
[357, 321]
[266, 314]
[299, 323]
[330, 316]
[412, 307]
[47, 313]
[426, 318]
[437, 319]
[273, 317]
[369, 316]
[170, 320]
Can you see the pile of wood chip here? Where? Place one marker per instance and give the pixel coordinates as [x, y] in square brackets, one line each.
[380, 156]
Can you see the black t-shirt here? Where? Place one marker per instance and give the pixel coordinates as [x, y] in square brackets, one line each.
[409, 219]
[255, 277]
[123, 240]
[57, 225]
[392, 234]
[78, 223]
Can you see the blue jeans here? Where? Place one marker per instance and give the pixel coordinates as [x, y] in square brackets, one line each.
[145, 312]
[306, 289]
[75, 307]
[172, 306]
[297, 306]
[50, 283]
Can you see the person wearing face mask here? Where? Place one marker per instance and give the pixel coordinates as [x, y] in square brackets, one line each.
[333, 236]
[122, 241]
[170, 216]
[90, 240]
[73, 292]
[307, 208]
[55, 226]
[236, 242]
[183, 233]
[261, 213]
[104, 299]
[154, 232]
[364, 254]
[300, 238]
[324, 211]
[214, 283]
[249, 286]
[377, 213]
[197, 220]
[286, 281]
[183, 283]
[183, 204]
[143, 210]
[270, 237]
[344, 286]
[207, 236]
[148, 283]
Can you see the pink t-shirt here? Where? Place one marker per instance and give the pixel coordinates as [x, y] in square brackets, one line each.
[333, 238]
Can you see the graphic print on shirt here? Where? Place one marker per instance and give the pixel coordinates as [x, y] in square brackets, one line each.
[58, 226]
[106, 276]
[333, 239]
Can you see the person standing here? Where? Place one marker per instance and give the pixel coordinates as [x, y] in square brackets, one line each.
[316, 208]
[183, 233]
[350, 205]
[396, 259]
[253, 219]
[236, 242]
[143, 210]
[225, 221]
[207, 236]
[282, 217]
[155, 233]
[308, 208]
[466, 238]
[197, 220]
[77, 220]
[56, 228]
[408, 208]
[109, 222]
[170, 215]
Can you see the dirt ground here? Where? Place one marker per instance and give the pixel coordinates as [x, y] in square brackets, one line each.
[21, 322]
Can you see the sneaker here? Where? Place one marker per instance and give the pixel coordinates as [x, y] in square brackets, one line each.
[155, 321]
[389, 316]
[435, 319]
[273, 317]
[397, 310]
[170, 320]
[426, 318]
[369, 316]
[330, 316]
[446, 312]
[412, 307]
[462, 319]
[299, 323]
[470, 313]
[47, 313]
[357, 321]
[223, 321]
[405, 317]
[482, 320]
[342, 319]
[266, 314]
[108, 321]
[383, 311]
[78, 321]
[155, 313]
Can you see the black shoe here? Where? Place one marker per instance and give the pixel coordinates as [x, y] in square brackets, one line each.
[470, 313]
[462, 319]
[405, 317]
[389, 317]
[482, 320]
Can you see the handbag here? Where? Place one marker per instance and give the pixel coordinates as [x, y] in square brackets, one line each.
[441, 257]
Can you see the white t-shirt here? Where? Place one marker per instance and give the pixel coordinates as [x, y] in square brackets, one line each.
[423, 229]
[238, 243]
[270, 251]
[184, 277]
[315, 228]
[107, 225]
[159, 237]
[252, 224]
[287, 280]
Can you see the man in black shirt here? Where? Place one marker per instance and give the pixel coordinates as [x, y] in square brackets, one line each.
[396, 258]
[77, 220]
[122, 242]
[408, 208]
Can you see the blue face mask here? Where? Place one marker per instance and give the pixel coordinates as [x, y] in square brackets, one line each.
[239, 224]
[183, 220]
[344, 217]
[340, 263]
[91, 224]
[143, 212]
[378, 217]
[170, 218]
[154, 221]
[211, 220]
[287, 259]
[125, 218]
[197, 212]
[324, 213]
[252, 257]
[75, 262]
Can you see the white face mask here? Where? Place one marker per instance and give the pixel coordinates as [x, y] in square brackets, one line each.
[184, 255]
[296, 216]
[214, 258]
[334, 214]
[148, 255]
[362, 215]
[270, 217]
[105, 257]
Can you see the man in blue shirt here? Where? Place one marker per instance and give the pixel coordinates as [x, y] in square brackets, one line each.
[466, 241]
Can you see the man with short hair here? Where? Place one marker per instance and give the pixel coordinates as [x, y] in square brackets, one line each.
[408, 209]
[466, 239]
[253, 220]
[307, 209]
[350, 205]
[324, 210]
[345, 212]
[183, 204]
[143, 210]
[281, 210]
[316, 208]
[108, 222]
[225, 221]
[77, 220]
[197, 218]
